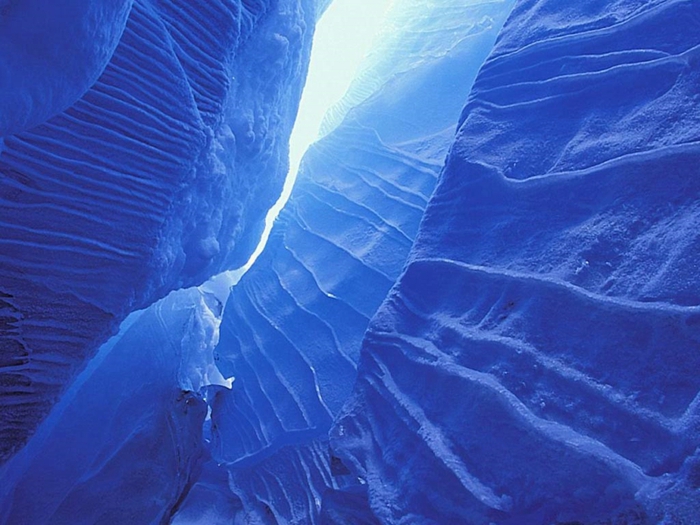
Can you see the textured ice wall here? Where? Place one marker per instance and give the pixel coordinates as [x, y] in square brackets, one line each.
[157, 178]
[293, 326]
[537, 361]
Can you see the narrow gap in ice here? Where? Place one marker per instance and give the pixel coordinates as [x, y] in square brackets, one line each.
[344, 35]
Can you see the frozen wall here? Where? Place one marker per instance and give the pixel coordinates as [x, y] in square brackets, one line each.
[158, 177]
[51, 53]
[125, 442]
[537, 360]
[293, 326]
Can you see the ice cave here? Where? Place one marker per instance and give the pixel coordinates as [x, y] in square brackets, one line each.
[350, 262]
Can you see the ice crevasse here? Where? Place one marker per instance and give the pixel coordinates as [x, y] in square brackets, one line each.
[266, 457]
[480, 304]
[151, 171]
[292, 327]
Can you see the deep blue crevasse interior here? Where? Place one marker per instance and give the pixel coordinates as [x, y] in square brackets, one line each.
[479, 305]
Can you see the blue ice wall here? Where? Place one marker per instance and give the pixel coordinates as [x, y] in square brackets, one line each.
[158, 177]
[125, 441]
[537, 361]
[293, 326]
[51, 53]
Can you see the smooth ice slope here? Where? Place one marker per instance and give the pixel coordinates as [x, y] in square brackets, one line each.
[537, 361]
[293, 325]
[158, 177]
[125, 441]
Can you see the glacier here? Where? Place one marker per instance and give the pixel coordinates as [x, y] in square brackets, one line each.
[478, 306]
[293, 325]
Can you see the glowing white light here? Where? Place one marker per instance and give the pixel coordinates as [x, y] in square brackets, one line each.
[343, 37]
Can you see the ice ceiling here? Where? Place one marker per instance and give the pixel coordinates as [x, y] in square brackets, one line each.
[478, 303]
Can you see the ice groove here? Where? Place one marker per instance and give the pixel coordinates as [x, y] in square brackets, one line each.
[440, 445]
[546, 323]
[279, 374]
[320, 288]
[550, 430]
[301, 307]
[395, 228]
[555, 283]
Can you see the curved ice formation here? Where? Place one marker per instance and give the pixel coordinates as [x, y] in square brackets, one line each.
[127, 437]
[51, 53]
[293, 325]
[537, 360]
[157, 178]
